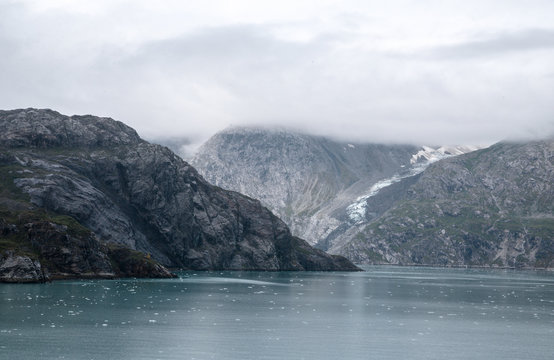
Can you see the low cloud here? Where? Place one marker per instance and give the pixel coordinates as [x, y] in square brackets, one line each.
[337, 75]
[502, 44]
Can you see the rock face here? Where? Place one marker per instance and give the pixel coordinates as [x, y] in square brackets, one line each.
[43, 129]
[18, 268]
[492, 207]
[397, 204]
[316, 185]
[37, 247]
[141, 196]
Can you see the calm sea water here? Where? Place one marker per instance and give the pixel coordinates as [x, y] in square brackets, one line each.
[383, 313]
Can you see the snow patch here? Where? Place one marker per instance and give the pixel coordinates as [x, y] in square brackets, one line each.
[419, 162]
[429, 154]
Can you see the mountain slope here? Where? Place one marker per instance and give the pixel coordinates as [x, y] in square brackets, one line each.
[140, 196]
[490, 207]
[318, 186]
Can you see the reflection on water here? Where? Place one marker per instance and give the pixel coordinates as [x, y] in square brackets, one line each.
[383, 313]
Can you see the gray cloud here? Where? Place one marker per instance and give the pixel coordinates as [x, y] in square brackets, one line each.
[338, 80]
[504, 43]
[212, 43]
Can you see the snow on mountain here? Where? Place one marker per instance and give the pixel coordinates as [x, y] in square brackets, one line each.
[419, 162]
[430, 155]
[318, 186]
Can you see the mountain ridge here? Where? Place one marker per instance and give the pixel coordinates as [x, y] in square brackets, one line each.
[388, 216]
[491, 207]
[142, 196]
[311, 182]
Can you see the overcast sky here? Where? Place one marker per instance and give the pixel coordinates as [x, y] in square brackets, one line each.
[434, 72]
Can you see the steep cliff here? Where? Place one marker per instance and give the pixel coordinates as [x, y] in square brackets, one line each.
[140, 196]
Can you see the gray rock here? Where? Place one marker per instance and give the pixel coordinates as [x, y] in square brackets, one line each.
[20, 269]
[308, 181]
[492, 207]
[42, 129]
[44, 249]
[143, 196]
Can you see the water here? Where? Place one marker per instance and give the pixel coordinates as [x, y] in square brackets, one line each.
[384, 313]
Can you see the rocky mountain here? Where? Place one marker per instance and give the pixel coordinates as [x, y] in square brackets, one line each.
[318, 186]
[36, 247]
[115, 191]
[491, 207]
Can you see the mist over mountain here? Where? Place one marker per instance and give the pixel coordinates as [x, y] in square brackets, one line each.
[183, 146]
[277, 179]
[351, 198]
[315, 184]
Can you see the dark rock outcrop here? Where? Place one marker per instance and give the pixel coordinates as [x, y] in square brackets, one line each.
[43, 129]
[20, 268]
[141, 196]
[35, 247]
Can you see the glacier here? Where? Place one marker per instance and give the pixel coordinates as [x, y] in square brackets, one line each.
[418, 163]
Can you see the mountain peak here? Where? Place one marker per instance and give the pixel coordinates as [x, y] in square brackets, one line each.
[45, 128]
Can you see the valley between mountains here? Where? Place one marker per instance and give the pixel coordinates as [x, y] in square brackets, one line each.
[86, 197]
[397, 204]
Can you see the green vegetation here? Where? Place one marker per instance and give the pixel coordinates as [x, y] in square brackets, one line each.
[374, 256]
[14, 235]
[474, 158]
[498, 262]
[129, 255]
[18, 243]
[127, 262]
[473, 230]
[8, 189]
[73, 226]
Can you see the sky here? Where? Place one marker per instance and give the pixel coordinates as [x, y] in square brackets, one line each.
[420, 72]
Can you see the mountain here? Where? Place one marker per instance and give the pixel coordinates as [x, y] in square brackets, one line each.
[318, 186]
[94, 185]
[491, 207]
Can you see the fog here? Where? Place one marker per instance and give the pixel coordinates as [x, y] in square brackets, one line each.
[433, 72]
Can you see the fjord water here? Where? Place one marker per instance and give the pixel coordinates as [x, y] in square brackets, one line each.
[382, 313]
